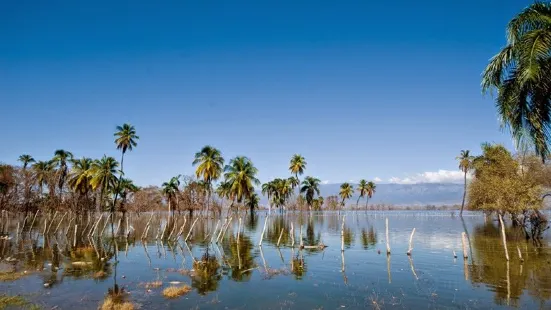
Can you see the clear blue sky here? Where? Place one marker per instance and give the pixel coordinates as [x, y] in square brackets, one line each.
[362, 89]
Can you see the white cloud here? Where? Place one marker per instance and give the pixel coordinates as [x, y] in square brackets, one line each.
[377, 179]
[325, 182]
[440, 176]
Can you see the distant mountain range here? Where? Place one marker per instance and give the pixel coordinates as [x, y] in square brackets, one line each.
[420, 194]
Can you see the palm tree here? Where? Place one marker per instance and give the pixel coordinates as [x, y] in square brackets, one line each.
[61, 157]
[42, 174]
[310, 187]
[223, 190]
[210, 163]
[103, 176]
[79, 178]
[126, 140]
[297, 165]
[519, 74]
[252, 202]
[346, 192]
[465, 164]
[26, 160]
[362, 188]
[282, 191]
[268, 189]
[241, 175]
[170, 190]
[371, 187]
[126, 188]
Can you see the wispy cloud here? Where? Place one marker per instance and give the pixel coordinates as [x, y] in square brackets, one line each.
[325, 182]
[440, 176]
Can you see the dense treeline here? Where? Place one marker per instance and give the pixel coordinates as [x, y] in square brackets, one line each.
[65, 182]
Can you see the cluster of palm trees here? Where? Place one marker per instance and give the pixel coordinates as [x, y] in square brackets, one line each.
[64, 175]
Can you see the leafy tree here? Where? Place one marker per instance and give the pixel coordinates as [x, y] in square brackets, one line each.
[170, 189]
[210, 163]
[252, 202]
[519, 74]
[465, 164]
[310, 187]
[498, 185]
[42, 171]
[80, 176]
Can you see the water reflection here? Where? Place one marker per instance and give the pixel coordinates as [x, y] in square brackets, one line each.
[206, 276]
[240, 257]
[509, 279]
[368, 238]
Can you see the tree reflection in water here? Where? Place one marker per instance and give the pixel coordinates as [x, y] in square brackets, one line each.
[206, 276]
[368, 238]
[241, 265]
[510, 279]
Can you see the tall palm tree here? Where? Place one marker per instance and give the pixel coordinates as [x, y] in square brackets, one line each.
[103, 176]
[241, 175]
[42, 174]
[282, 191]
[310, 187]
[465, 164]
[297, 165]
[61, 157]
[210, 165]
[126, 140]
[362, 188]
[519, 74]
[26, 159]
[268, 189]
[346, 191]
[371, 187]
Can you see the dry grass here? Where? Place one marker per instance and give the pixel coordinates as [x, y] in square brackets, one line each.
[154, 284]
[110, 304]
[176, 291]
[11, 276]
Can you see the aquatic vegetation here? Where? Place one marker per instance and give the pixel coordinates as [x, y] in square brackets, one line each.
[176, 291]
[109, 303]
[9, 302]
[11, 276]
[99, 274]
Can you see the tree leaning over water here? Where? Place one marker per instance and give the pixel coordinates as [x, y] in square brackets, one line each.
[521, 76]
[465, 164]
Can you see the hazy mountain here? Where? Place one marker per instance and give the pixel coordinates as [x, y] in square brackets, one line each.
[405, 194]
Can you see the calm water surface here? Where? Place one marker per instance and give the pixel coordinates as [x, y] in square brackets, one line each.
[238, 274]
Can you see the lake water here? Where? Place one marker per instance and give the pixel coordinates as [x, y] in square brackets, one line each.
[238, 274]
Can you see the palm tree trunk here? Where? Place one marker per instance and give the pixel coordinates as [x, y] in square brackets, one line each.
[118, 185]
[358, 202]
[464, 194]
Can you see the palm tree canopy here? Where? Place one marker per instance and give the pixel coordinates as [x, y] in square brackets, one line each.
[465, 160]
[297, 164]
[346, 191]
[520, 74]
[362, 187]
[310, 187]
[42, 170]
[26, 159]
[210, 163]
[241, 174]
[80, 176]
[224, 189]
[103, 172]
[126, 137]
[252, 202]
[371, 189]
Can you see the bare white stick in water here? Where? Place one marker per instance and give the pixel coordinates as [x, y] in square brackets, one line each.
[34, 218]
[503, 237]
[60, 221]
[520, 254]
[280, 235]
[263, 230]
[342, 237]
[191, 229]
[387, 238]
[411, 242]
[464, 242]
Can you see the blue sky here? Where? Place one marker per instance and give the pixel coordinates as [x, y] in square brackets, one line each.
[362, 89]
